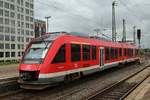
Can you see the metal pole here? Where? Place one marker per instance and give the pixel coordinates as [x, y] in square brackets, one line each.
[113, 22]
[47, 19]
[124, 31]
[134, 32]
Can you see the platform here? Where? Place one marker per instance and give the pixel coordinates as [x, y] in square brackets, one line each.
[142, 92]
[7, 71]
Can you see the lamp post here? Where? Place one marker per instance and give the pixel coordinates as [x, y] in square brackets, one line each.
[47, 19]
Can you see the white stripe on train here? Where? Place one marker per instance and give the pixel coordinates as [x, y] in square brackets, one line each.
[108, 65]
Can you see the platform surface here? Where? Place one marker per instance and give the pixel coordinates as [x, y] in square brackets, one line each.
[7, 71]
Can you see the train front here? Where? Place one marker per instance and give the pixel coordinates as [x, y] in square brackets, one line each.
[30, 66]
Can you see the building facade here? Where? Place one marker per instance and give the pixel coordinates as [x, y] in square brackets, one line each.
[39, 27]
[16, 27]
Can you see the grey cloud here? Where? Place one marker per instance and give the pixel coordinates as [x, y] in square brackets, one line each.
[86, 15]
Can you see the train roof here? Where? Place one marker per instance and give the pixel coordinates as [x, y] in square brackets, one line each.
[75, 37]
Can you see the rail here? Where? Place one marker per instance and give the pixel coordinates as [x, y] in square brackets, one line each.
[118, 90]
[8, 84]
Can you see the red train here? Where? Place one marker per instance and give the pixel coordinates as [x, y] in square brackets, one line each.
[60, 56]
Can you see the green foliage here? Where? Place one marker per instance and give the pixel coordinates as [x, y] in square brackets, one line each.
[9, 62]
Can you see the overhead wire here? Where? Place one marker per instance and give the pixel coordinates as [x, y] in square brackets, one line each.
[131, 11]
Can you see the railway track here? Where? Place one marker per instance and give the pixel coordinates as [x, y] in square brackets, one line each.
[8, 84]
[120, 89]
[77, 89]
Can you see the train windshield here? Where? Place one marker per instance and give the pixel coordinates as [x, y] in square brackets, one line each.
[37, 52]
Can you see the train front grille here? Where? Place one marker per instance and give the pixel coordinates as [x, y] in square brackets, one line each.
[29, 75]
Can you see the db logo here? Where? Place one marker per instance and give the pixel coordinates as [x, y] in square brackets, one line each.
[75, 65]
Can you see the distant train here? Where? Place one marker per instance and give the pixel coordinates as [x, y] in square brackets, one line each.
[60, 56]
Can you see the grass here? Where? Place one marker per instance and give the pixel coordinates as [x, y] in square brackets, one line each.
[9, 63]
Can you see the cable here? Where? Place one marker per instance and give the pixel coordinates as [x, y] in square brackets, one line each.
[132, 12]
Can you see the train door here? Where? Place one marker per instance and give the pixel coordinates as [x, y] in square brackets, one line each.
[101, 56]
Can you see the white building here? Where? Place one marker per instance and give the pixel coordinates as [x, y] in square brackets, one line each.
[16, 27]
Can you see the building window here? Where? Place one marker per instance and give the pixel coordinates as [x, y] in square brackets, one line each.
[18, 16]
[1, 46]
[1, 28]
[18, 9]
[75, 52]
[22, 32]
[22, 39]
[1, 54]
[12, 54]
[86, 52]
[27, 32]
[1, 12]
[27, 18]
[19, 24]
[7, 46]
[6, 13]
[27, 4]
[27, 11]
[12, 15]
[12, 46]
[18, 1]
[107, 53]
[22, 2]
[22, 17]
[18, 38]
[27, 39]
[6, 29]
[19, 54]
[1, 3]
[2, 37]
[7, 38]
[31, 13]
[12, 38]
[12, 1]
[27, 25]
[18, 46]
[1, 20]
[12, 7]
[6, 5]
[93, 52]
[13, 23]
[22, 10]
[31, 6]
[13, 30]
[7, 54]
[60, 57]
[7, 21]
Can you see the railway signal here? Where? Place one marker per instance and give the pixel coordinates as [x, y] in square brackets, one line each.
[139, 36]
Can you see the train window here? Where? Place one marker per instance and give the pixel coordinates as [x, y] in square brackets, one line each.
[107, 53]
[86, 52]
[120, 52]
[112, 53]
[93, 52]
[125, 52]
[129, 52]
[75, 52]
[116, 52]
[61, 55]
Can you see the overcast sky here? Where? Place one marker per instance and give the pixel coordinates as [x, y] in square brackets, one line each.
[87, 15]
